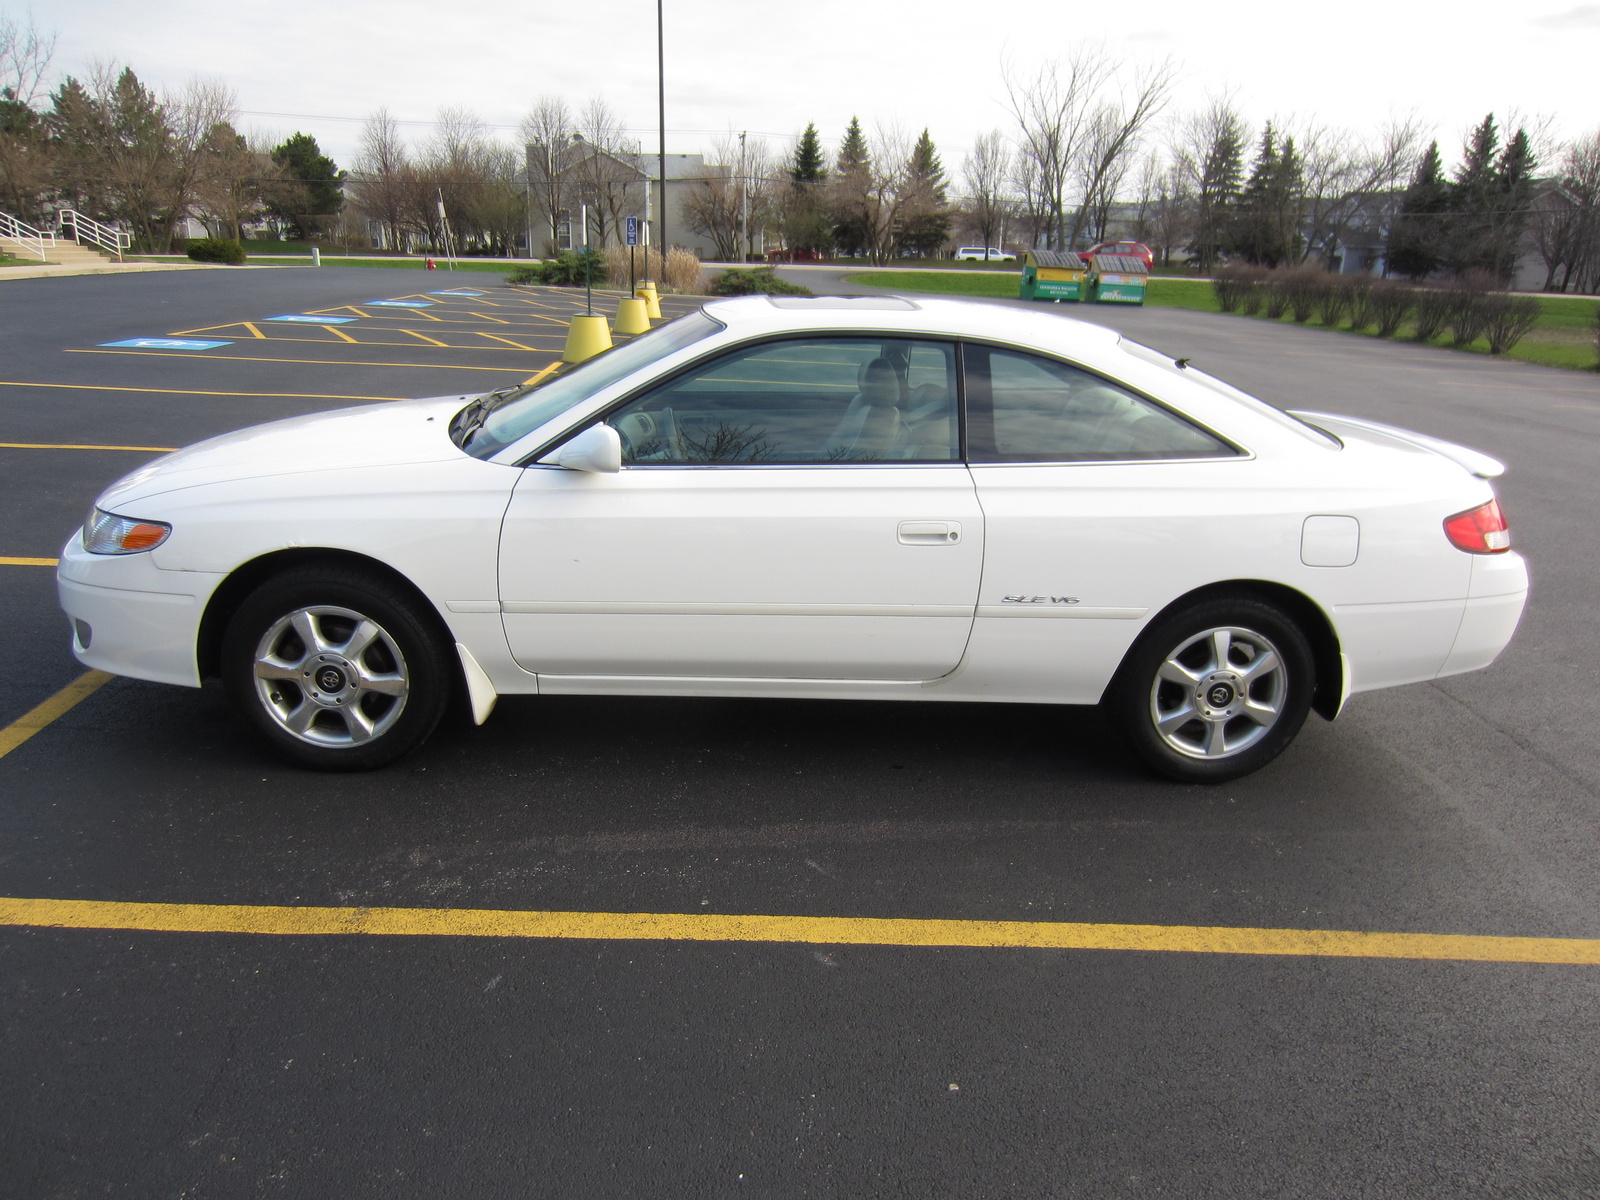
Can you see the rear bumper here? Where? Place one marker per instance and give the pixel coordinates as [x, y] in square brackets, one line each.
[131, 618]
[1499, 594]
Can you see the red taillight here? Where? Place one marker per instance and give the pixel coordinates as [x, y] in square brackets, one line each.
[1481, 530]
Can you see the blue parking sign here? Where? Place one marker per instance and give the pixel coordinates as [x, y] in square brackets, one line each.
[633, 231]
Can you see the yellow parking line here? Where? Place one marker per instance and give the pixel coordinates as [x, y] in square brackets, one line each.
[429, 340]
[822, 931]
[507, 341]
[251, 326]
[70, 446]
[541, 374]
[337, 332]
[28, 562]
[25, 726]
[102, 387]
[267, 358]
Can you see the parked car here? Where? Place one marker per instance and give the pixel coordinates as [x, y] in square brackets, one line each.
[983, 254]
[1133, 249]
[843, 498]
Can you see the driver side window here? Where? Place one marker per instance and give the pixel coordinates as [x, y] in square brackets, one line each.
[813, 400]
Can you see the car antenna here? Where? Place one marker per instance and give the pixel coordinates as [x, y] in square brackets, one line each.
[1182, 363]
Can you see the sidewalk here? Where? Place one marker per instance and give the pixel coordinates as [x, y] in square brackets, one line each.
[51, 270]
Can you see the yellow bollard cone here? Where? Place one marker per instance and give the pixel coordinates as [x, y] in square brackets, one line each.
[646, 291]
[586, 337]
[633, 316]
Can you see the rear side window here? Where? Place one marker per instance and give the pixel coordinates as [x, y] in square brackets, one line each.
[1024, 408]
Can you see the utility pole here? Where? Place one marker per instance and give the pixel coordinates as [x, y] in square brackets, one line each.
[744, 206]
[661, 101]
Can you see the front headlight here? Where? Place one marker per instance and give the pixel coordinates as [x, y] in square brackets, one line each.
[107, 533]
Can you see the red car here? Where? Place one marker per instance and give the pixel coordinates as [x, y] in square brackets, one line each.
[1135, 248]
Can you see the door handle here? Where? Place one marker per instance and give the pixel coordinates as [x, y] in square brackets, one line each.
[929, 533]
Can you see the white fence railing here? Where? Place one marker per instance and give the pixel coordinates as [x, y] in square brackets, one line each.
[86, 230]
[34, 241]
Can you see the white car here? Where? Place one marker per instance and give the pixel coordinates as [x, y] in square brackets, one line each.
[850, 498]
[979, 254]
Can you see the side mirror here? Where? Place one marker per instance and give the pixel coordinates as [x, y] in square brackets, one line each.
[597, 449]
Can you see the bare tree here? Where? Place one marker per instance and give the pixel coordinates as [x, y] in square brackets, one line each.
[547, 131]
[1053, 109]
[735, 197]
[1164, 215]
[1349, 181]
[381, 167]
[26, 158]
[604, 170]
[1566, 219]
[1110, 140]
[200, 120]
[983, 179]
[25, 56]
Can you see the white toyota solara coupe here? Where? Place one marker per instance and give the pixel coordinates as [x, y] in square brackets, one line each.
[850, 498]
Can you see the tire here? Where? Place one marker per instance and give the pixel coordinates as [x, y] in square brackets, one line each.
[337, 669]
[1239, 668]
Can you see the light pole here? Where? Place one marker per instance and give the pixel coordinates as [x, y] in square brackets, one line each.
[661, 103]
[744, 206]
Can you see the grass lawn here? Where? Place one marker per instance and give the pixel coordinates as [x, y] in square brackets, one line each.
[415, 264]
[1564, 335]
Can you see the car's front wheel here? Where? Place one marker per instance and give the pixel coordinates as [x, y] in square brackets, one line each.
[1214, 692]
[338, 670]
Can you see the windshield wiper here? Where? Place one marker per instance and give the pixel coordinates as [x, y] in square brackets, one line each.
[471, 418]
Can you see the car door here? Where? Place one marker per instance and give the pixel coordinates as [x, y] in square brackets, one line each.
[794, 509]
[1101, 507]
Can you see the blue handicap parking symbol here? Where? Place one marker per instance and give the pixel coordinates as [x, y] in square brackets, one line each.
[303, 319]
[455, 292]
[398, 304]
[165, 344]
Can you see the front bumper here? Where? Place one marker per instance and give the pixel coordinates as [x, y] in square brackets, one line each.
[129, 617]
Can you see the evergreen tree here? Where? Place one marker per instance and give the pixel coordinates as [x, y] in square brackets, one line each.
[1469, 228]
[318, 195]
[1217, 193]
[808, 166]
[852, 183]
[1250, 233]
[925, 225]
[1513, 201]
[1416, 241]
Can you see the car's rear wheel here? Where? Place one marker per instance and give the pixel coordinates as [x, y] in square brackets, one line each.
[1214, 692]
[338, 670]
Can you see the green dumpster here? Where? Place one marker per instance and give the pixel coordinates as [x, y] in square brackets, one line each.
[1053, 275]
[1118, 278]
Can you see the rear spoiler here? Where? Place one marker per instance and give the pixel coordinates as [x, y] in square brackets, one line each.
[1474, 461]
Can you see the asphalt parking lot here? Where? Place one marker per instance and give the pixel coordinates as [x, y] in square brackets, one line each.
[669, 1062]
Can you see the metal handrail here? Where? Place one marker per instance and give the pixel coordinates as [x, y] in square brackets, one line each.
[87, 229]
[35, 240]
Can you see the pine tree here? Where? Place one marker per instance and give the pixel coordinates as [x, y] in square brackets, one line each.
[852, 228]
[1513, 199]
[1250, 233]
[808, 166]
[925, 225]
[1416, 241]
[1469, 229]
[302, 162]
[1217, 193]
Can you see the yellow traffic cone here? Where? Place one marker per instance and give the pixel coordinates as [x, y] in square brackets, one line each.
[646, 291]
[633, 316]
[586, 337]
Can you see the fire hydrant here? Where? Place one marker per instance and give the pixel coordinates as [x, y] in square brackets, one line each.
[431, 267]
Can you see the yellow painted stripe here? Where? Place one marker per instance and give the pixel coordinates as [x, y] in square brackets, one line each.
[426, 338]
[28, 562]
[338, 333]
[828, 931]
[75, 446]
[103, 387]
[541, 374]
[24, 727]
[507, 341]
[268, 358]
[256, 333]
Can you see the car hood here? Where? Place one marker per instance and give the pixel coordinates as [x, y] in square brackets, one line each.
[407, 431]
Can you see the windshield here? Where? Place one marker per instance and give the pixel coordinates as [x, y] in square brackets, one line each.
[1287, 419]
[518, 413]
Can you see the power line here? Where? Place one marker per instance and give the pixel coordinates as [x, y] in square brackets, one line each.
[245, 112]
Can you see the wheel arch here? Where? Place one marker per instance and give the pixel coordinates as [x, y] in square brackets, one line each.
[247, 577]
[1328, 686]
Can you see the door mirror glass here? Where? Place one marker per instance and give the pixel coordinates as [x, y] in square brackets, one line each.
[597, 449]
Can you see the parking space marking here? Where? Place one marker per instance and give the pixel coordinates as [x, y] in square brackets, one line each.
[167, 343]
[819, 931]
[25, 726]
[103, 387]
[268, 358]
[28, 562]
[429, 340]
[534, 378]
[75, 446]
[507, 341]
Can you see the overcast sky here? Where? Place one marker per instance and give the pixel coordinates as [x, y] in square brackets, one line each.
[769, 66]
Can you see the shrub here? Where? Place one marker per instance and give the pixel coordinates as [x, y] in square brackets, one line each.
[217, 250]
[1334, 301]
[1359, 289]
[1276, 289]
[567, 269]
[1507, 319]
[681, 272]
[1232, 283]
[1468, 313]
[1391, 305]
[1597, 338]
[1305, 286]
[646, 264]
[1432, 308]
[740, 281]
